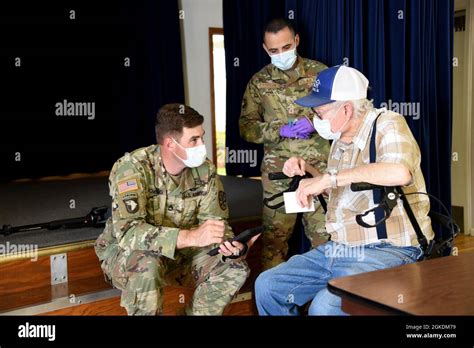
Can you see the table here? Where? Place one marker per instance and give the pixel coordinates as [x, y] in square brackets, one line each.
[442, 286]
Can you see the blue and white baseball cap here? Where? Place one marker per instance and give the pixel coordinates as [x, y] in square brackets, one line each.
[339, 83]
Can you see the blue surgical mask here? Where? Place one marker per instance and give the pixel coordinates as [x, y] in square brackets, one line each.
[284, 60]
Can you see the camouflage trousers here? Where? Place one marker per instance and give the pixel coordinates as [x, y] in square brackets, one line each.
[278, 226]
[141, 275]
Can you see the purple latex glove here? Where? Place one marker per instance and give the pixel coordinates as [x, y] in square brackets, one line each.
[304, 136]
[303, 126]
[288, 131]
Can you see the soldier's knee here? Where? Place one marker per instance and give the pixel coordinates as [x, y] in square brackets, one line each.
[146, 272]
[239, 270]
[153, 268]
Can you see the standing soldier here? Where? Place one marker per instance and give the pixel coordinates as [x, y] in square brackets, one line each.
[168, 210]
[270, 116]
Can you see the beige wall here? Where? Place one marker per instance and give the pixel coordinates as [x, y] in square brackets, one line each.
[199, 16]
[459, 167]
[470, 89]
[463, 127]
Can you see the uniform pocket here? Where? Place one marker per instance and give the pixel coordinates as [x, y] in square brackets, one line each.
[153, 208]
[189, 213]
[116, 269]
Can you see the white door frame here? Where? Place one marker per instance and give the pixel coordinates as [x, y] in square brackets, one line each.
[469, 59]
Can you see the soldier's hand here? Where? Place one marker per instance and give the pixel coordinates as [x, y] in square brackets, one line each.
[235, 248]
[294, 166]
[304, 126]
[210, 232]
[231, 248]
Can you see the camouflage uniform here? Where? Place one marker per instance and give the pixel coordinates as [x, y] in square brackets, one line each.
[268, 104]
[138, 245]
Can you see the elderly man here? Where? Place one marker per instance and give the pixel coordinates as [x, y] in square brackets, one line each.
[343, 114]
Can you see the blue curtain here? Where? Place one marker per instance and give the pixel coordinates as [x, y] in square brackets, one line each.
[244, 56]
[155, 76]
[404, 47]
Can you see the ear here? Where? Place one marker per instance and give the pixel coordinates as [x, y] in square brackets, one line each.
[297, 40]
[349, 109]
[168, 143]
[265, 48]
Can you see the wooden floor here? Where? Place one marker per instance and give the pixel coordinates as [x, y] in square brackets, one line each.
[171, 303]
[111, 306]
[464, 243]
[25, 286]
[171, 306]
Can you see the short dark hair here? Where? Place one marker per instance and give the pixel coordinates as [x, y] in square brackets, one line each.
[277, 24]
[172, 118]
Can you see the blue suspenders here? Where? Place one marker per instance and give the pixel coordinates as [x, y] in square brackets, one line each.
[379, 213]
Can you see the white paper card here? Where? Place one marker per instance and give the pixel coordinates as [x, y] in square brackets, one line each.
[291, 206]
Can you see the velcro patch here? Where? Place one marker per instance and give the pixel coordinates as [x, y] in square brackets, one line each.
[268, 85]
[222, 200]
[127, 185]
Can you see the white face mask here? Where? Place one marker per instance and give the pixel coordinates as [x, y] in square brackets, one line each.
[195, 155]
[285, 60]
[323, 127]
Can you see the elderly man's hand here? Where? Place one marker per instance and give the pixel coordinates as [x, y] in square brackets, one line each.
[294, 166]
[310, 187]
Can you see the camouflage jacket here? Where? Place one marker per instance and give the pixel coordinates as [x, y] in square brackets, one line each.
[268, 104]
[149, 208]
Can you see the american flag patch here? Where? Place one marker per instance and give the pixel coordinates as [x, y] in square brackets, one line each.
[127, 185]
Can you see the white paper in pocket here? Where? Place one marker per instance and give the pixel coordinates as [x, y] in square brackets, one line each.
[291, 206]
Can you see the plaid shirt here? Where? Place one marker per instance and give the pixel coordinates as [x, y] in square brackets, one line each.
[394, 144]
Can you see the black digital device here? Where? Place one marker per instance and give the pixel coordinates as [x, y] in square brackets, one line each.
[243, 238]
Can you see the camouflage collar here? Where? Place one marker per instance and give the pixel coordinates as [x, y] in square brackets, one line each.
[186, 179]
[291, 76]
[158, 165]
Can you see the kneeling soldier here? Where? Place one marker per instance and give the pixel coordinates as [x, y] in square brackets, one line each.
[168, 210]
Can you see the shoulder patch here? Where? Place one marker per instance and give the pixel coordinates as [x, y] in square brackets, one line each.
[127, 185]
[129, 195]
[222, 200]
[131, 204]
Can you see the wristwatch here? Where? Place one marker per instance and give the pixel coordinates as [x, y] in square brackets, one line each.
[333, 178]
